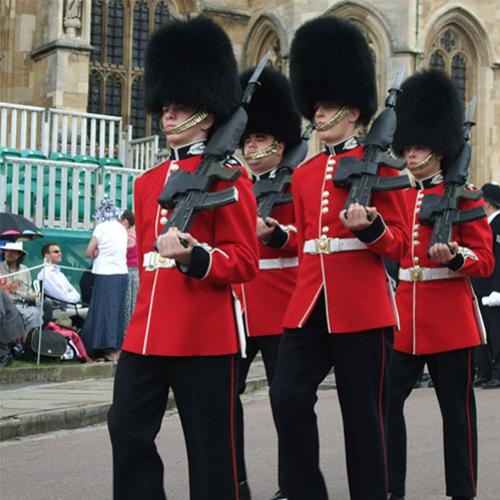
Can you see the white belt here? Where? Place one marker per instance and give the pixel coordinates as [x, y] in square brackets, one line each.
[418, 273]
[333, 245]
[279, 263]
[153, 260]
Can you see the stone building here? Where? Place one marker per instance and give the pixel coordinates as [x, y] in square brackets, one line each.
[87, 55]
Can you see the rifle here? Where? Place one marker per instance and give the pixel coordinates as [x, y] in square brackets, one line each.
[442, 211]
[188, 192]
[360, 176]
[271, 192]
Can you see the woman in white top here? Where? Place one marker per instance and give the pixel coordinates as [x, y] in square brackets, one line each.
[103, 330]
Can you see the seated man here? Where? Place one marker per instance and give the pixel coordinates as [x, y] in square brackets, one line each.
[57, 287]
[11, 327]
[15, 281]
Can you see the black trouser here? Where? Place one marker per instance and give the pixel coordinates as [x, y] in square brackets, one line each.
[452, 375]
[268, 346]
[487, 357]
[360, 361]
[205, 392]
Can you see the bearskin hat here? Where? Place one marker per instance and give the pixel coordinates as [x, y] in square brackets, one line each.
[330, 61]
[272, 109]
[191, 63]
[429, 113]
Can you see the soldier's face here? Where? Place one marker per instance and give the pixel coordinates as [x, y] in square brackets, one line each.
[339, 132]
[255, 143]
[416, 156]
[173, 115]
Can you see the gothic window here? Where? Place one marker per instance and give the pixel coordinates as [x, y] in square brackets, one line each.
[113, 96]
[437, 61]
[138, 114]
[114, 33]
[96, 31]
[458, 73]
[162, 15]
[94, 97]
[450, 52]
[140, 33]
[120, 30]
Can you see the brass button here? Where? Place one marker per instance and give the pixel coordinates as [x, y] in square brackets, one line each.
[322, 245]
[331, 161]
[325, 202]
[416, 243]
[163, 221]
[325, 210]
[325, 229]
[174, 167]
[416, 260]
[325, 194]
[329, 169]
[329, 177]
[164, 211]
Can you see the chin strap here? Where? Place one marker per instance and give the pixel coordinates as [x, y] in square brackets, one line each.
[270, 150]
[423, 163]
[336, 118]
[187, 124]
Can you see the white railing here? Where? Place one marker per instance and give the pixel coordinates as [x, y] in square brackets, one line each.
[21, 127]
[61, 194]
[143, 152]
[75, 133]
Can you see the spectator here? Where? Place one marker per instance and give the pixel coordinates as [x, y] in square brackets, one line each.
[11, 327]
[56, 286]
[127, 219]
[19, 287]
[104, 326]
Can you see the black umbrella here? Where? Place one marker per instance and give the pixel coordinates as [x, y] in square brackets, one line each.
[14, 226]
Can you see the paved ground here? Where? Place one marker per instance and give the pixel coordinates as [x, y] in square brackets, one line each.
[77, 464]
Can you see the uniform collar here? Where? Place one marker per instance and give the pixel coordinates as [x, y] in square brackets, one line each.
[493, 215]
[268, 174]
[347, 145]
[182, 152]
[431, 181]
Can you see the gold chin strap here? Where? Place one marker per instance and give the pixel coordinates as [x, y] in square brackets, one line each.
[270, 150]
[336, 118]
[423, 163]
[187, 124]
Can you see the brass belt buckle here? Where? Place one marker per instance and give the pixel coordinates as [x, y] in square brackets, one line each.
[322, 245]
[416, 273]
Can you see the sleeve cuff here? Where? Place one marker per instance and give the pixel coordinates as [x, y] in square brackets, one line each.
[373, 232]
[457, 262]
[199, 265]
[279, 238]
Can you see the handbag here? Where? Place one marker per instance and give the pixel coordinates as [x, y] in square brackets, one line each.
[52, 346]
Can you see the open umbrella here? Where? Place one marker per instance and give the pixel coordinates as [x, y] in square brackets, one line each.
[14, 226]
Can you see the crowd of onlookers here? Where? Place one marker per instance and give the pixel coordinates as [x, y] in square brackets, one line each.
[99, 311]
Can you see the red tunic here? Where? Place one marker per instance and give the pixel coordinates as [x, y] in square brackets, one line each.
[266, 297]
[439, 315]
[179, 315]
[355, 283]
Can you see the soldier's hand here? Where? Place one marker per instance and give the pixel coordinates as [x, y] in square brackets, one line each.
[357, 217]
[176, 245]
[443, 253]
[265, 228]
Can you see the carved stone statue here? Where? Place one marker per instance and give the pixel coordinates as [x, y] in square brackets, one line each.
[72, 17]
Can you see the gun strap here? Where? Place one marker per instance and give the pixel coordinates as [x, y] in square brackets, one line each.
[189, 123]
[336, 118]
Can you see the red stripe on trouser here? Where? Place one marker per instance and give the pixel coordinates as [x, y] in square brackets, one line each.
[469, 430]
[233, 447]
[381, 412]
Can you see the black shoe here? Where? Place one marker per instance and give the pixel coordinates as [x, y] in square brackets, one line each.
[395, 496]
[244, 491]
[491, 384]
[279, 495]
[462, 498]
[479, 381]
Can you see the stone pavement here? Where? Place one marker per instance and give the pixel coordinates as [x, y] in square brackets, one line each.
[45, 399]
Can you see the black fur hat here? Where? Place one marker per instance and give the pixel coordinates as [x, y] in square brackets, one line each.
[429, 113]
[272, 109]
[191, 63]
[330, 61]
